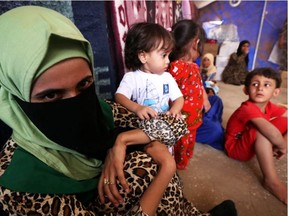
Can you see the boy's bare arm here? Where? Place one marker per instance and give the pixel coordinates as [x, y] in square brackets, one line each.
[176, 107]
[269, 131]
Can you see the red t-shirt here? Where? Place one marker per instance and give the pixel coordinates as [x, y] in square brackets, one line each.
[240, 133]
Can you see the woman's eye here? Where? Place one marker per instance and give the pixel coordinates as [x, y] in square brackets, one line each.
[50, 97]
[84, 84]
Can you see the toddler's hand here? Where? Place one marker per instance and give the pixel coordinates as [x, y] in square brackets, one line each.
[176, 115]
[145, 112]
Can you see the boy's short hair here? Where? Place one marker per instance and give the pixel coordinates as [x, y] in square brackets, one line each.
[147, 37]
[266, 72]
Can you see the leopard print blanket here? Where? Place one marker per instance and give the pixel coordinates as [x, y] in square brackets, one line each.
[138, 177]
[164, 128]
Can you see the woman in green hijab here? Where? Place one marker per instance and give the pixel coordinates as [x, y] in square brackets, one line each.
[53, 162]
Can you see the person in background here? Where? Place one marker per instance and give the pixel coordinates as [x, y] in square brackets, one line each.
[207, 68]
[237, 68]
[212, 120]
[66, 155]
[189, 38]
[259, 127]
[208, 73]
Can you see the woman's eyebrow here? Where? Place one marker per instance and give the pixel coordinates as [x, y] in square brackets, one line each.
[87, 77]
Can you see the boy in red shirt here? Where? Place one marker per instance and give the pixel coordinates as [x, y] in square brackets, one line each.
[259, 127]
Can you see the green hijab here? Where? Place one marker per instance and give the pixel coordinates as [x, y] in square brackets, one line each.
[25, 37]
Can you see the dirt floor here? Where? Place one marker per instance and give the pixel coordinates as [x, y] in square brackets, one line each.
[212, 177]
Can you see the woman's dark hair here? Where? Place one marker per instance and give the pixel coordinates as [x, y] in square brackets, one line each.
[266, 72]
[145, 37]
[184, 31]
[239, 50]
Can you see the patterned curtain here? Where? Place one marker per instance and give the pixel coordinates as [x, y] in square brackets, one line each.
[125, 13]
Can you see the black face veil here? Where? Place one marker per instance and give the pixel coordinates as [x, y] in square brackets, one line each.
[76, 123]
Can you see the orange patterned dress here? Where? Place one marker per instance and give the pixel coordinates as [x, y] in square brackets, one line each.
[188, 78]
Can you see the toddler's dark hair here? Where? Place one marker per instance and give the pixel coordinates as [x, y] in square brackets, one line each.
[266, 72]
[145, 37]
[184, 31]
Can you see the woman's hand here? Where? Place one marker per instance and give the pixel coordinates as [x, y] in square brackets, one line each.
[113, 165]
[113, 170]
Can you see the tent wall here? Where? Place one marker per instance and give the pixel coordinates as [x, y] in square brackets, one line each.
[105, 24]
[247, 17]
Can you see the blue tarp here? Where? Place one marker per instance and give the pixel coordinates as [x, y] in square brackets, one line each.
[247, 17]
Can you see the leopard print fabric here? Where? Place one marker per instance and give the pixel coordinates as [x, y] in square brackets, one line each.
[164, 128]
[140, 170]
[18, 203]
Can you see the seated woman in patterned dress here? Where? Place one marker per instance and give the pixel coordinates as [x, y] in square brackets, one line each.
[56, 161]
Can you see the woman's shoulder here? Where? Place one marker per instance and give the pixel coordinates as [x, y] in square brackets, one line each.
[233, 55]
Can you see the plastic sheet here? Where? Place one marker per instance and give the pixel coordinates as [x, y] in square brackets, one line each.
[226, 32]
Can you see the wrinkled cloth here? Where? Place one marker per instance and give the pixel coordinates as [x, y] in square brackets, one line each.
[211, 131]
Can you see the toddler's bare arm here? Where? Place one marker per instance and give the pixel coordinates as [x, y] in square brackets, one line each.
[143, 112]
[176, 107]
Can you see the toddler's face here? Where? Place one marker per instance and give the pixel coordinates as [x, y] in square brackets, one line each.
[156, 61]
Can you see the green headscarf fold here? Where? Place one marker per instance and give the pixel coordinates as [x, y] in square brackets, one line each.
[24, 40]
